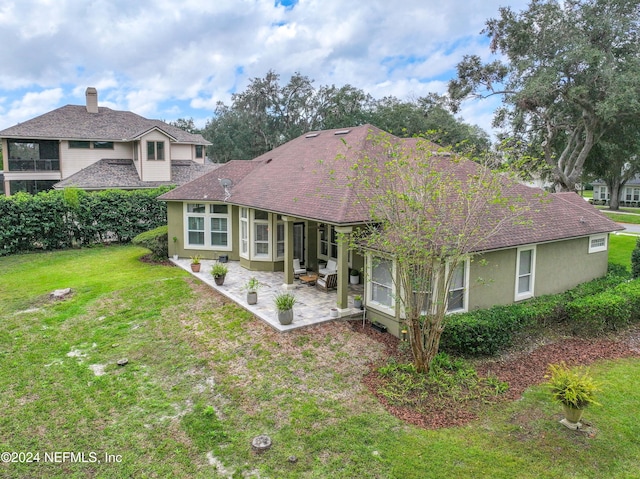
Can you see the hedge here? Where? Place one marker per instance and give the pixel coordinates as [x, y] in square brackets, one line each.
[157, 240]
[58, 219]
[591, 308]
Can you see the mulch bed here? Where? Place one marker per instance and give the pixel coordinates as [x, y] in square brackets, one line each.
[520, 369]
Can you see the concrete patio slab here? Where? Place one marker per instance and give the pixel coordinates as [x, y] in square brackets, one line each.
[313, 306]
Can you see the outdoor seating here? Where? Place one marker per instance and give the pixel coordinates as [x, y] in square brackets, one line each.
[330, 281]
[331, 267]
[297, 269]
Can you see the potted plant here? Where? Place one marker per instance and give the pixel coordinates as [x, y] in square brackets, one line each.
[195, 263]
[219, 271]
[252, 290]
[357, 301]
[354, 277]
[574, 389]
[284, 304]
[175, 248]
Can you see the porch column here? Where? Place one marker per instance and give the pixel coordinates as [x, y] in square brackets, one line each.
[288, 251]
[343, 233]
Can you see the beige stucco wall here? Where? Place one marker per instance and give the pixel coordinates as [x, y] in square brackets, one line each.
[73, 160]
[183, 152]
[154, 170]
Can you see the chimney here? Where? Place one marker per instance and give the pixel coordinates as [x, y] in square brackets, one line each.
[92, 99]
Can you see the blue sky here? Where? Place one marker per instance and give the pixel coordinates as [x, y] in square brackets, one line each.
[171, 59]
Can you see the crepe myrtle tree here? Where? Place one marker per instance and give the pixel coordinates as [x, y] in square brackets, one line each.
[430, 211]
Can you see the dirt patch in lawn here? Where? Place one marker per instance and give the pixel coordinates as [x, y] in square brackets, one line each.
[520, 368]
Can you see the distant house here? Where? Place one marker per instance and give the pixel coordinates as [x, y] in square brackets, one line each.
[629, 193]
[295, 203]
[92, 147]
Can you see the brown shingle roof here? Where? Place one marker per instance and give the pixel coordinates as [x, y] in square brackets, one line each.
[108, 173]
[303, 178]
[73, 122]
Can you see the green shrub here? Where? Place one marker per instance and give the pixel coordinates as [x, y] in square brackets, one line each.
[157, 240]
[58, 219]
[600, 305]
[635, 260]
[485, 332]
[593, 315]
[574, 388]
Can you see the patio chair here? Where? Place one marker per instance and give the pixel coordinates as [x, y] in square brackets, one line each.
[297, 269]
[332, 267]
[330, 281]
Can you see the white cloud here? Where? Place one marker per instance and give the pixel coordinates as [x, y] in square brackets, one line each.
[157, 57]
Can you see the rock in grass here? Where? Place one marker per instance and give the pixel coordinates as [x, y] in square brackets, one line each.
[261, 443]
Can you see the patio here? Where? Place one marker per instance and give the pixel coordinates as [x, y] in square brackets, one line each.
[312, 307]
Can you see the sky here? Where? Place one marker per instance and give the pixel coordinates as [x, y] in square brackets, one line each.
[170, 59]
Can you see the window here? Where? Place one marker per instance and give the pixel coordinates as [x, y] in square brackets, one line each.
[79, 144]
[219, 222]
[261, 240]
[155, 150]
[32, 155]
[597, 243]
[636, 194]
[382, 282]
[458, 288]
[280, 238]
[260, 234]
[29, 186]
[199, 151]
[103, 145]
[525, 273]
[244, 232]
[328, 241]
[208, 226]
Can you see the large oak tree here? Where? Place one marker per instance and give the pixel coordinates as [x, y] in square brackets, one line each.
[568, 73]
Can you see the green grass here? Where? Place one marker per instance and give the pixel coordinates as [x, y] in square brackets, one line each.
[620, 248]
[204, 378]
[623, 218]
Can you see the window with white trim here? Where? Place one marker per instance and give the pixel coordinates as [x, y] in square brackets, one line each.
[195, 224]
[260, 234]
[597, 243]
[280, 238]
[525, 272]
[382, 282]
[208, 226]
[458, 288]
[244, 232]
[219, 225]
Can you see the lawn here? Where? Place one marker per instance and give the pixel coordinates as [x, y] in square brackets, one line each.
[620, 248]
[204, 377]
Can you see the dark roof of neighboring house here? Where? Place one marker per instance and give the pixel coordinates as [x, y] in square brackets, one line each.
[122, 174]
[308, 177]
[74, 122]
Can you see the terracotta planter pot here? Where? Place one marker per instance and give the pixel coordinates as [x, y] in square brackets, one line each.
[195, 267]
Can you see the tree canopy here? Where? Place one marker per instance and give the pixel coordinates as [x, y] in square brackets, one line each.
[570, 72]
[269, 113]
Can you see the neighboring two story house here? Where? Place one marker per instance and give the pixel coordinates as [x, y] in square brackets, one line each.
[93, 148]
